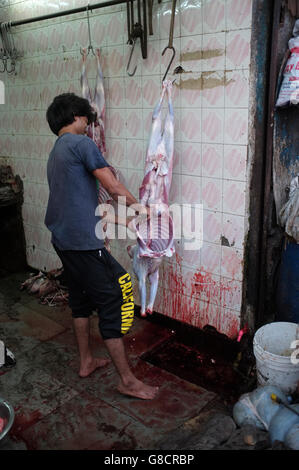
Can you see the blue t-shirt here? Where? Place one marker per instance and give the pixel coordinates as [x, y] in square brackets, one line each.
[73, 196]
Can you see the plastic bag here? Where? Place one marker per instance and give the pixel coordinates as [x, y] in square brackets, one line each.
[257, 408]
[289, 90]
[292, 437]
[282, 423]
[289, 213]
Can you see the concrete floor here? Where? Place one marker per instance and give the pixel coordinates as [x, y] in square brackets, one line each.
[55, 409]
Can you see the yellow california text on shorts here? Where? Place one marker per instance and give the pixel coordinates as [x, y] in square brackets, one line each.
[127, 308]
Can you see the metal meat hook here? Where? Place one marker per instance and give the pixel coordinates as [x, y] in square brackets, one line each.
[130, 58]
[90, 47]
[170, 43]
[136, 29]
[171, 60]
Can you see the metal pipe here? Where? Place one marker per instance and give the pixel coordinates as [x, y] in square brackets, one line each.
[68, 12]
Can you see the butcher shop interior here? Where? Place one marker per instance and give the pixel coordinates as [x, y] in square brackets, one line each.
[149, 226]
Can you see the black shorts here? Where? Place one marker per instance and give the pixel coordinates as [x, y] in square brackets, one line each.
[96, 281]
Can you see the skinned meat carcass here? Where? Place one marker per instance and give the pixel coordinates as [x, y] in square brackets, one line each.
[155, 235]
[95, 130]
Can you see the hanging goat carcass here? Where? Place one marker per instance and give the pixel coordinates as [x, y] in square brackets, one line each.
[155, 235]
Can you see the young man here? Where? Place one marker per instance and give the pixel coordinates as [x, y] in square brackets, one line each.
[95, 279]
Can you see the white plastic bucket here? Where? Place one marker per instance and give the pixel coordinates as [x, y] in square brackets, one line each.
[271, 344]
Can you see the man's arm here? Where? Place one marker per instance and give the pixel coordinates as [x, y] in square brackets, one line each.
[113, 186]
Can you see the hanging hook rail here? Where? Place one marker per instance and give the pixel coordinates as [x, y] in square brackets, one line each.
[170, 42]
[68, 12]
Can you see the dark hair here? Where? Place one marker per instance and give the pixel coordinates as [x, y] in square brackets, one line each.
[64, 108]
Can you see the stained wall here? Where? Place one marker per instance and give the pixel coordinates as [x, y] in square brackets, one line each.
[211, 101]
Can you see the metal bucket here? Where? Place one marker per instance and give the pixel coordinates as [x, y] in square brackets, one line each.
[7, 413]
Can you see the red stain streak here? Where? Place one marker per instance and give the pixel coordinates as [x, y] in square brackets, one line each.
[182, 295]
[23, 420]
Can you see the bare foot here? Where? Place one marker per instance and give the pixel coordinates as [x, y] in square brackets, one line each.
[89, 368]
[138, 389]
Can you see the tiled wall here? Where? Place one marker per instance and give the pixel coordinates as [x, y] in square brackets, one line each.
[211, 100]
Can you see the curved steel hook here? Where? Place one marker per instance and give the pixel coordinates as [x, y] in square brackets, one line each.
[129, 61]
[90, 47]
[171, 60]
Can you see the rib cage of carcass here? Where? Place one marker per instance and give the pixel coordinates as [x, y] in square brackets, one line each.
[155, 236]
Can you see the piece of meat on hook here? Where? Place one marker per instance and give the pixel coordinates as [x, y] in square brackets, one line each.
[96, 130]
[155, 235]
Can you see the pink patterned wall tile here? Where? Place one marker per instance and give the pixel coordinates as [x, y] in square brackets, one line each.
[134, 124]
[231, 293]
[133, 92]
[72, 67]
[55, 37]
[212, 226]
[151, 87]
[115, 61]
[115, 95]
[68, 36]
[116, 123]
[190, 90]
[134, 180]
[234, 197]
[234, 163]
[191, 189]
[212, 125]
[238, 49]
[164, 13]
[237, 89]
[211, 194]
[150, 65]
[147, 122]
[233, 229]
[236, 126]
[230, 322]
[190, 257]
[212, 160]
[99, 27]
[232, 263]
[211, 258]
[238, 14]
[213, 89]
[213, 52]
[191, 17]
[213, 16]
[191, 53]
[135, 154]
[175, 193]
[208, 314]
[115, 30]
[191, 125]
[206, 288]
[117, 153]
[191, 158]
